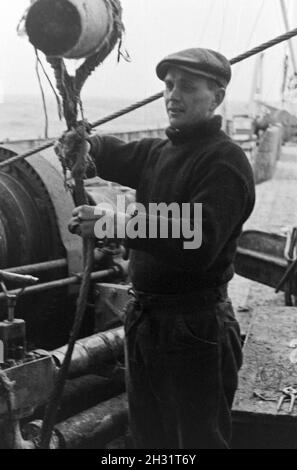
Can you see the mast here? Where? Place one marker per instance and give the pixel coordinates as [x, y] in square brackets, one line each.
[290, 42]
[289, 98]
[257, 86]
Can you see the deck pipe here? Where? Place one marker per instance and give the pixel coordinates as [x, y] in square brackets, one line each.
[85, 392]
[91, 429]
[96, 276]
[93, 354]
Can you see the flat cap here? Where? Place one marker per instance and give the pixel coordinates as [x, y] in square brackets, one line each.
[204, 62]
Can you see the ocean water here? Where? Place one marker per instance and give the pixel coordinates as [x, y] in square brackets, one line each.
[22, 117]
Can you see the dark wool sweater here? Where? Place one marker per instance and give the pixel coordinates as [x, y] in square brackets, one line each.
[201, 165]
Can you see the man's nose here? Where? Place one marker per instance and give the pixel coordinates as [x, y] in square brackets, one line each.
[174, 94]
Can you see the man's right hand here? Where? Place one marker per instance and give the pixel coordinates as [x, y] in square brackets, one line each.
[83, 221]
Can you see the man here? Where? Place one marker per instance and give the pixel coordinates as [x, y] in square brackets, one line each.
[182, 340]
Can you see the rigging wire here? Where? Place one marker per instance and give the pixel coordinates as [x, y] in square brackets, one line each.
[278, 20]
[254, 27]
[59, 104]
[276, 76]
[239, 21]
[207, 21]
[223, 24]
[285, 78]
[42, 96]
[279, 26]
[255, 24]
[284, 67]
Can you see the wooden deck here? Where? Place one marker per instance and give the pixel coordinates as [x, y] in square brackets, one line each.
[268, 368]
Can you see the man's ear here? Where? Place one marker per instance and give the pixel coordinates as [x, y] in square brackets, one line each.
[219, 96]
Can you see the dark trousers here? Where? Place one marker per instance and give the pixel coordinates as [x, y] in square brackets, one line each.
[183, 354]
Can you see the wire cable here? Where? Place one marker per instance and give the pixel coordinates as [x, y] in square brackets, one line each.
[246, 55]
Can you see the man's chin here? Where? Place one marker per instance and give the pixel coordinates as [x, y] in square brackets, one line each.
[176, 123]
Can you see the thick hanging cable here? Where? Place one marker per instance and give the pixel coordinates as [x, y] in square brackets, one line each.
[139, 104]
[263, 47]
[50, 415]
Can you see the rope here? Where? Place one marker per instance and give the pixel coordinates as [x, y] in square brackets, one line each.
[139, 104]
[72, 153]
[70, 86]
[51, 412]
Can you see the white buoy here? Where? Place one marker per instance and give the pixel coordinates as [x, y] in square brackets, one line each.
[72, 29]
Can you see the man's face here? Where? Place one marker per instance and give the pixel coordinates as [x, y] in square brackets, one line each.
[188, 98]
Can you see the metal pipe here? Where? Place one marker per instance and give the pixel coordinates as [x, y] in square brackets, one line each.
[96, 276]
[95, 427]
[264, 268]
[91, 429]
[47, 265]
[38, 267]
[273, 260]
[92, 353]
[84, 392]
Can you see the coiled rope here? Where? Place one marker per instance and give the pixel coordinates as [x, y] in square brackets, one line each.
[151, 99]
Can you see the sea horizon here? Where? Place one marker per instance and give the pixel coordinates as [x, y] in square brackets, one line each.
[22, 116]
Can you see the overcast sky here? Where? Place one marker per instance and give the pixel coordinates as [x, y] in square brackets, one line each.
[155, 28]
